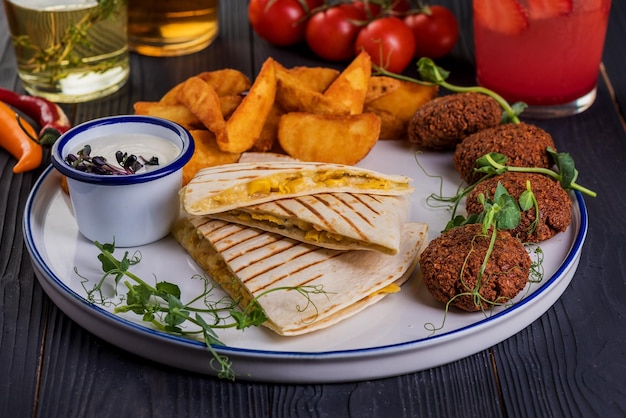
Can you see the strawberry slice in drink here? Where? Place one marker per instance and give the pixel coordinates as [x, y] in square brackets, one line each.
[544, 9]
[502, 16]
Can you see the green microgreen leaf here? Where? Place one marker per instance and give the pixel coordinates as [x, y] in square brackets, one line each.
[507, 211]
[566, 167]
[527, 198]
[138, 297]
[176, 314]
[107, 263]
[165, 288]
[253, 316]
[512, 117]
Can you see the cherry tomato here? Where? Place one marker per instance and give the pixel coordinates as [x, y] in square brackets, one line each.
[331, 33]
[280, 22]
[436, 31]
[389, 42]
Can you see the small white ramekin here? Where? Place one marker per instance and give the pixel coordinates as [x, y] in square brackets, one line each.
[132, 209]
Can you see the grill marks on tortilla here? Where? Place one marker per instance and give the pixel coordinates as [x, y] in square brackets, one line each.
[365, 200]
[339, 221]
[235, 171]
[220, 182]
[334, 207]
[350, 280]
[251, 254]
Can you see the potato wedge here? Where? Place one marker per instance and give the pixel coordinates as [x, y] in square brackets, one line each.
[269, 134]
[351, 86]
[246, 123]
[229, 103]
[391, 126]
[171, 96]
[178, 113]
[379, 86]
[226, 82]
[206, 154]
[342, 139]
[404, 100]
[294, 96]
[202, 100]
[263, 157]
[314, 78]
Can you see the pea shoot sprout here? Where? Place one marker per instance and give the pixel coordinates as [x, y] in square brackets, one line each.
[431, 75]
[161, 306]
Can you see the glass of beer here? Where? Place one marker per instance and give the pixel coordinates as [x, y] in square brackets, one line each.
[170, 28]
[69, 50]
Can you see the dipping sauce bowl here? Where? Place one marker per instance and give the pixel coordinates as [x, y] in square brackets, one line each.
[126, 209]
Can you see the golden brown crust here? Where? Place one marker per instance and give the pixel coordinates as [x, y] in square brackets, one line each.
[451, 262]
[523, 144]
[445, 121]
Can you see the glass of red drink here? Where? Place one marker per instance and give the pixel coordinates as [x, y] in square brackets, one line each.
[545, 53]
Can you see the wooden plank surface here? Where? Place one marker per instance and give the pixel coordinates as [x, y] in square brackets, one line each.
[23, 305]
[570, 362]
[614, 58]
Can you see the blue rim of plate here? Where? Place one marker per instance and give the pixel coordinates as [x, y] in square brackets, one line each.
[54, 279]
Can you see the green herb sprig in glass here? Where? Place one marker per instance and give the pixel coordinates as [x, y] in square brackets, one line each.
[59, 57]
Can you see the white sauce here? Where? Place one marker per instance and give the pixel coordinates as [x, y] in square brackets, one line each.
[144, 145]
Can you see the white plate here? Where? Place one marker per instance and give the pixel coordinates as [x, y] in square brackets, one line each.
[387, 339]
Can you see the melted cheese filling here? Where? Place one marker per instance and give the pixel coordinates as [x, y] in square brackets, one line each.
[294, 183]
[310, 231]
[390, 288]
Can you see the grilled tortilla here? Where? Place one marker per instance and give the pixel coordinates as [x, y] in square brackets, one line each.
[231, 186]
[339, 221]
[247, 262]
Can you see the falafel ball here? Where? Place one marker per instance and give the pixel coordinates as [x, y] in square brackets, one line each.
[445, 121]
[523, 144]
[554, 204]
[451, 263]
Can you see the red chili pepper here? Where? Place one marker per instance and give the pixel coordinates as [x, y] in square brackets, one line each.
[49, 115]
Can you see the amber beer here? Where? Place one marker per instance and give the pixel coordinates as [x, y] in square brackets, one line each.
[171, 27]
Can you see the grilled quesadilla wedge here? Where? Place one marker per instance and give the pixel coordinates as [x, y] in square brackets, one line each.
[339, 221]
[248, 262]
[230, 186]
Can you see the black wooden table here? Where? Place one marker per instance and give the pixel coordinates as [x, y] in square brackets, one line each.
[570, 362]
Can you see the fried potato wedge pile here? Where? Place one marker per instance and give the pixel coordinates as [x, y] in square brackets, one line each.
[308, 113]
